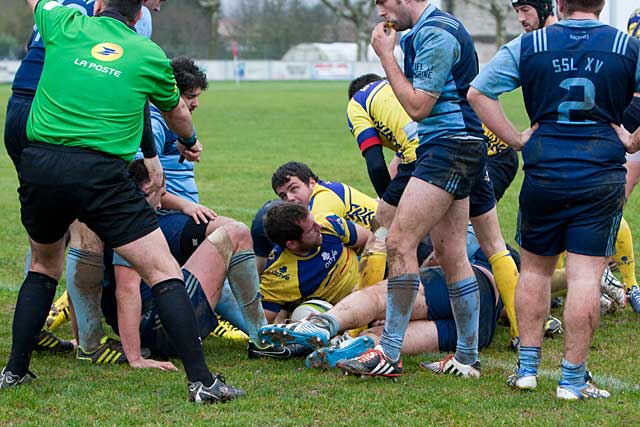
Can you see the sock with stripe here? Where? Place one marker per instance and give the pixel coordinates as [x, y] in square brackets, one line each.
[84, 273]
[624, 256]
[573, 374]
[505, 274]
[179, 321]
[529, 358]
[245, 285]
[401, 295]
[34, 300]
[465, 304]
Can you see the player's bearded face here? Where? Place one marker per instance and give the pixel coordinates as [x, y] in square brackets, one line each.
[528, 18]
[396, 12]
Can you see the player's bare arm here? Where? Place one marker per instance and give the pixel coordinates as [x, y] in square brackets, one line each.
[492, 115]
[418, 104]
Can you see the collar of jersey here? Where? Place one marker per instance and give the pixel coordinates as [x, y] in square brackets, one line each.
[108, 13]
[580, 23]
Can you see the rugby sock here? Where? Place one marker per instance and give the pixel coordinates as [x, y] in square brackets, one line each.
[227, 308]
[624, 256]
[34, 300]
[84, 273]
[329, 322]
[401, 295]
[178, 319]
[573, 374]
[505, 274]
[465, 304]
[561, 259]
[245, 285]
[529, 358]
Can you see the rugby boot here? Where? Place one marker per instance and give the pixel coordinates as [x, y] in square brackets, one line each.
[46, 341]
[372, 363]
[217, 392]
[305, 332]
[450, 366]
[327, 357]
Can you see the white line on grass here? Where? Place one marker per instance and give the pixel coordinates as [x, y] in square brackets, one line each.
[604, 380]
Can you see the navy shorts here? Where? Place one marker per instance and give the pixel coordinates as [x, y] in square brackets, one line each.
[60, 184]
[182, 233]
[481, 198]
[153, 335]
[397, 185]
[439, 308]
[581, 221]
[15, 126]
[502, 168]
[454, 164]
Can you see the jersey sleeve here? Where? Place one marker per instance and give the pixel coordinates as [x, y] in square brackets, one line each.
[165, 95]
[343, 228]
[436, 52]
[361, 126]
[49, 16]
[502, 73]
[159, 129]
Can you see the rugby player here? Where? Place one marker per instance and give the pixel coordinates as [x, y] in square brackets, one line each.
[376, 119]
[75, 172]
[570, 141]
[440, 61]
[314, 257]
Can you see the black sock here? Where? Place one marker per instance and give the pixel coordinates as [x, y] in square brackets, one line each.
[34, 301]
[178, 319]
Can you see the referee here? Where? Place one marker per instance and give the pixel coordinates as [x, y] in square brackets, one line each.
[86, 123]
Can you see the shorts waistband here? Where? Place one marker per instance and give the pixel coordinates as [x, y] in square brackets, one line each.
[67, 149]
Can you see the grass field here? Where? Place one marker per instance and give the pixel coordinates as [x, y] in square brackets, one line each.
[249, 130]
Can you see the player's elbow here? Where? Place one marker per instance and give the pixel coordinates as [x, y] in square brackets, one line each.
[475, 98]
[419, 113]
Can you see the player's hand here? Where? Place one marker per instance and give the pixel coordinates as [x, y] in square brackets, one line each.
[525, 136]
[192, 154]
[199, 213]
[143, 363]
[156, 175]
[383, 40]
[626, 138]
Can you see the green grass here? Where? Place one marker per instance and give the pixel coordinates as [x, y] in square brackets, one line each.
[248, 131]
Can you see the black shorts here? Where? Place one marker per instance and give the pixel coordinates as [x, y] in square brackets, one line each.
[15, 126]
[502, 168]
[397, 185]
[60, 184]
[453, 163]
[182, 233]
[481, 198]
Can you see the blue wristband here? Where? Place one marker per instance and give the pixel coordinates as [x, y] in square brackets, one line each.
[189, 142]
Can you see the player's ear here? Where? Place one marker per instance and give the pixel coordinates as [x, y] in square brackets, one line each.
[292, 245]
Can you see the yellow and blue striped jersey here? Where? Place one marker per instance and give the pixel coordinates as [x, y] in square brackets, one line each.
[328, 273]
[375, 117]
[337, 198]
[494, 144]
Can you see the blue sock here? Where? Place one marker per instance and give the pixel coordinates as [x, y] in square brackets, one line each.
[465, 304]
[84, 273]
[573, 374]
[227, 308]
[401, 295]
[245, 285]
[529, 358]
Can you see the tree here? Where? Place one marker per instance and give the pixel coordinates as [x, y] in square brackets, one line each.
[499, 10]
[213, 6]
[357, 12]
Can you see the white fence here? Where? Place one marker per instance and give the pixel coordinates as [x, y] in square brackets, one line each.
[259, 70]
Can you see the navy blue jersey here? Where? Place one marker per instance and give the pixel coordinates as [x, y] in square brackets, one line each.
[28, 74]
[577, 78]
[440, 58]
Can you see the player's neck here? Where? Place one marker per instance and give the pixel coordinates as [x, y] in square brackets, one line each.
[418, 11]
[581, 15]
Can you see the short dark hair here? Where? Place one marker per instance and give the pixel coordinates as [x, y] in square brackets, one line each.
[589, 6]
[138, 172]
[188, 75]
[128, 8]
[360, 82]
[289, 169]
[282, 222]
